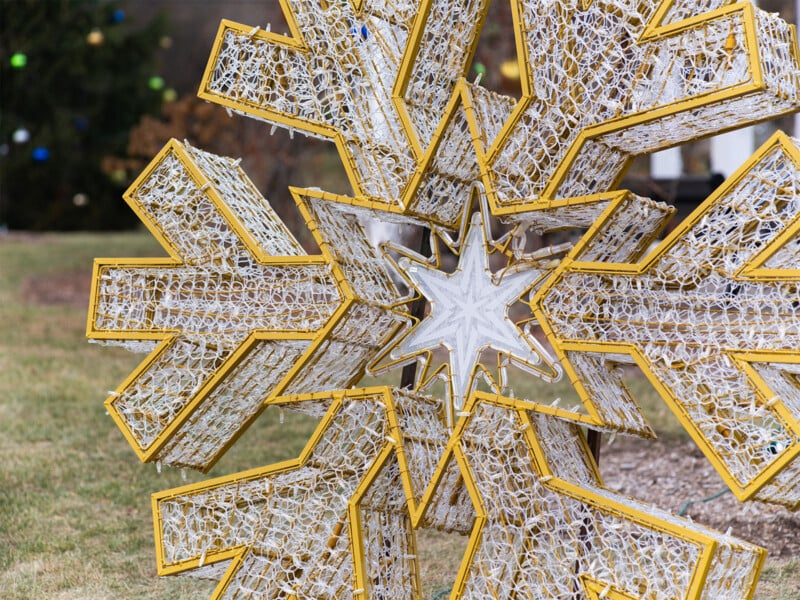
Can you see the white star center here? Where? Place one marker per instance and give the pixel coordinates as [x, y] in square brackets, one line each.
[469, 313]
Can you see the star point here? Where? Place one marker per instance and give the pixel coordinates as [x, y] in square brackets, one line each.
[469, 314]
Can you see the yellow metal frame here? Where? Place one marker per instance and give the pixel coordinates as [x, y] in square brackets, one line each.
[706, 545]
[751, 270]
[424, 157]
[595, 590]
[166, 337]
[426, 376]
[755, 269]
[654, 30]
[393, 445]
[454, 451]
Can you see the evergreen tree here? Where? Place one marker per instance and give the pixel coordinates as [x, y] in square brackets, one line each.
[75, 76]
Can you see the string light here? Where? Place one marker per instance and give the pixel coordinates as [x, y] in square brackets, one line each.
[18, 60]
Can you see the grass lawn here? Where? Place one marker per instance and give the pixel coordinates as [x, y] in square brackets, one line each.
[75, 518]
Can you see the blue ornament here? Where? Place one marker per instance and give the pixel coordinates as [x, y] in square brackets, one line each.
[40, 154]
[118, 16]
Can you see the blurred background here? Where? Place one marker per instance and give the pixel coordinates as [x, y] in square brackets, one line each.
[91, 89]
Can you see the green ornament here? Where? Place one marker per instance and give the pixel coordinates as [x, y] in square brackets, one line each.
[18, 60]
[118, 176]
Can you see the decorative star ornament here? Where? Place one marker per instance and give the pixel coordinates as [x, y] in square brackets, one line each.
[469, 314]
[240, 317]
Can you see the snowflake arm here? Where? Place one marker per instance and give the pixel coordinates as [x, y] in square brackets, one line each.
[546, 526]
[376, 78]
[314, 527]
[239, 314]
[605, 82]
[711, 317]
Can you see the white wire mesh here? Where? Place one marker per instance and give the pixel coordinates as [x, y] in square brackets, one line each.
[344, 236]
[246, 202]
[291, 527]
[603, 381]
[233, 403]
[599, 94]
[389, 549]
[344, 78]
[581, 81]
[691, 311]
[449, 176]
[218, 293]
[542, 542]
[208, 300]
[344, 353]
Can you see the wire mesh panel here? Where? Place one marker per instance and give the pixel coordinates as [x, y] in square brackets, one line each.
[240, 316]
[240, 311]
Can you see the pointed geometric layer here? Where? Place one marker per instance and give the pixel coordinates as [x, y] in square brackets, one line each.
[606, 81]
[546, 528]
[338, 521]
[237, 313]
[468, 316]
[373, 76]
[332, 524]
[711, 316]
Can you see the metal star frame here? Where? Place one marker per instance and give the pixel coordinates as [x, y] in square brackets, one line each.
[468, 316]
[241, 317]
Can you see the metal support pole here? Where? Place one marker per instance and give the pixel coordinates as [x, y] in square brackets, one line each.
[594, 438]
[409, 372]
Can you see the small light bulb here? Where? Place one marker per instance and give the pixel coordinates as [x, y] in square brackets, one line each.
[20, 136]
[95, 37]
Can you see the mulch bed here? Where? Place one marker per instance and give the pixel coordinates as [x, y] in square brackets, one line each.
[670, 473]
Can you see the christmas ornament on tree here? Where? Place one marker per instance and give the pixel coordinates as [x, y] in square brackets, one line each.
[80, 62]
[18, 60]
[95, 37]
[40, 154]
[21, 136]
[155, 83]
